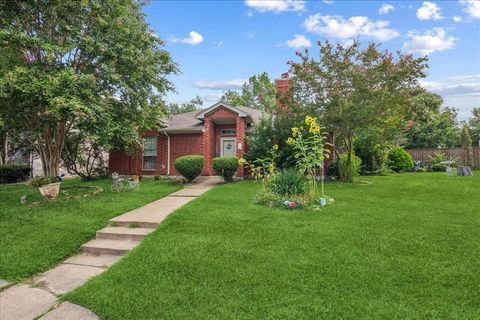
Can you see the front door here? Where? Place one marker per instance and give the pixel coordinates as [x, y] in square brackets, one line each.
[227, 147]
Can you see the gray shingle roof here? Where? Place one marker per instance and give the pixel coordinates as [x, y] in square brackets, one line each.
[187, 122]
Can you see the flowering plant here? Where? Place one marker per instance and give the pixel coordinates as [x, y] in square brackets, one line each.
[310, 151]
[263, 168]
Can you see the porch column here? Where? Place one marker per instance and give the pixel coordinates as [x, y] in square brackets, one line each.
[208, 145]
[240, 127]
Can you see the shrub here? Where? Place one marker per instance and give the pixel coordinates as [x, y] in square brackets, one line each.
[189, 166]
[343, 167]
[14, 173]
[400, 160]
[332, 169]
[288, 182]
[225, 167]
[434, 162]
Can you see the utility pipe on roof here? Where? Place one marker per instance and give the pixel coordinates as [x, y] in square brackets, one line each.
[168, 153]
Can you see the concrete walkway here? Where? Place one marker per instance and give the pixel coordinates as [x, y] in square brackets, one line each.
[125, 232]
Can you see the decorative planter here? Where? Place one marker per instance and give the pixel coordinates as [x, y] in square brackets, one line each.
[50, 191]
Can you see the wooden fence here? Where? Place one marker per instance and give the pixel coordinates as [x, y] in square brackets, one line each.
[458, 153]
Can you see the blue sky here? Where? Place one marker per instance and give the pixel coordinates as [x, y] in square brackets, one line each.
[219, 44]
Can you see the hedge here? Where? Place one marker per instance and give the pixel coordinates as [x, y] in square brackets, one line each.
[11, 173]
[225, 167]
[400, 160]
[189, 166]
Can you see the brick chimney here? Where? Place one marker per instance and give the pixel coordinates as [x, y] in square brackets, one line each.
[283, 85]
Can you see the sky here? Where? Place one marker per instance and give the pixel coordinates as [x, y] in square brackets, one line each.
[220, 44]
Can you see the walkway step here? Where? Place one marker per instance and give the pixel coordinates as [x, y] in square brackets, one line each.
[93, 260]
[108, 246]
[123, 233]
[70, 311]
[152, 214]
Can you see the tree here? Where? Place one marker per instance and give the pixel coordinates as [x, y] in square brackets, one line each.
[91, 65]
[192, 105]
[259, 92]
[474, 125]
[466, 142]
[430, 126]
[354, 88]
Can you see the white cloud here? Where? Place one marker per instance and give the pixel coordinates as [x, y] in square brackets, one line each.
[338, 27]
[327, 1]
[472, 7]
[298, 41]
[193, 39]
[276, 6]
[457, 18]
[462, 92]
[429, 11]
[431, 41]
[220, 85]
[386, 8]
[212, 98]
[250, 35]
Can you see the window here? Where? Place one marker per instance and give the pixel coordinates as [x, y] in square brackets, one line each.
[150, 153]
[229, 131]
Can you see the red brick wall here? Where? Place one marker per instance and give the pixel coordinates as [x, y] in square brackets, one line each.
[182, 145]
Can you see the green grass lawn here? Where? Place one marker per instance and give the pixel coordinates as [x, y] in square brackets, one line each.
[403, 247]
[34, 238]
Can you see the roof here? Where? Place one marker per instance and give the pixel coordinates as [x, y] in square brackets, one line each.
[192, 122]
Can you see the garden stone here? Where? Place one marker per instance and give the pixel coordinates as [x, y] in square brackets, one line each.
[22, 302]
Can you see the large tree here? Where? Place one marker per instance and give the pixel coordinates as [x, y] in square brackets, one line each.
[429, 125]
[354, 88]
[174, 108]
[474, 125]
[92, 65]
[258, 92]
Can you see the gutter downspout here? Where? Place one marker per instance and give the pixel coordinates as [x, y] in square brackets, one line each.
[168, 153]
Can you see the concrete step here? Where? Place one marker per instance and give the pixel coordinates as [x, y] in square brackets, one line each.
[109, 246]
[123, 233]
[133, 223]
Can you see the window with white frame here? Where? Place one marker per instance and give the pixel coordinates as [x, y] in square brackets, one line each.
[150, 153]
[229, 131]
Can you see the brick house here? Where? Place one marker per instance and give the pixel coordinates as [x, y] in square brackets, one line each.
[219, 130]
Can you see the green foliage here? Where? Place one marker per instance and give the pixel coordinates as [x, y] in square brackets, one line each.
[39, 181]
[333, 170]
[400, 160]
[259, 92]
[91, 65]
[288, 182]
[345, 170]
[192, 105]
[434, 161]
[430, 126]
[354, 88]
[474, 125]
[10, 173]
[225, 167]
[189, 166]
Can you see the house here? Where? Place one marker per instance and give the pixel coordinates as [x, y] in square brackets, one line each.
[219, 130]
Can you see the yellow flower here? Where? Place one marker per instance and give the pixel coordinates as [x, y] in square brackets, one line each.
[294, 131]
[289, 141]
[308, 120]
[314, 128]
[275, 147]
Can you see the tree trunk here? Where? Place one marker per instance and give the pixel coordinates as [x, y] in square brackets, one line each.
[349, 173]
[5, 146]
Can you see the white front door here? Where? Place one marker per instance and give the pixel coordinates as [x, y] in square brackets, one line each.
[228, 147]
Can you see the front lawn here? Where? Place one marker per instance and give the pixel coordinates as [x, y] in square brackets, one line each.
[404, 246]
[34, 238]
